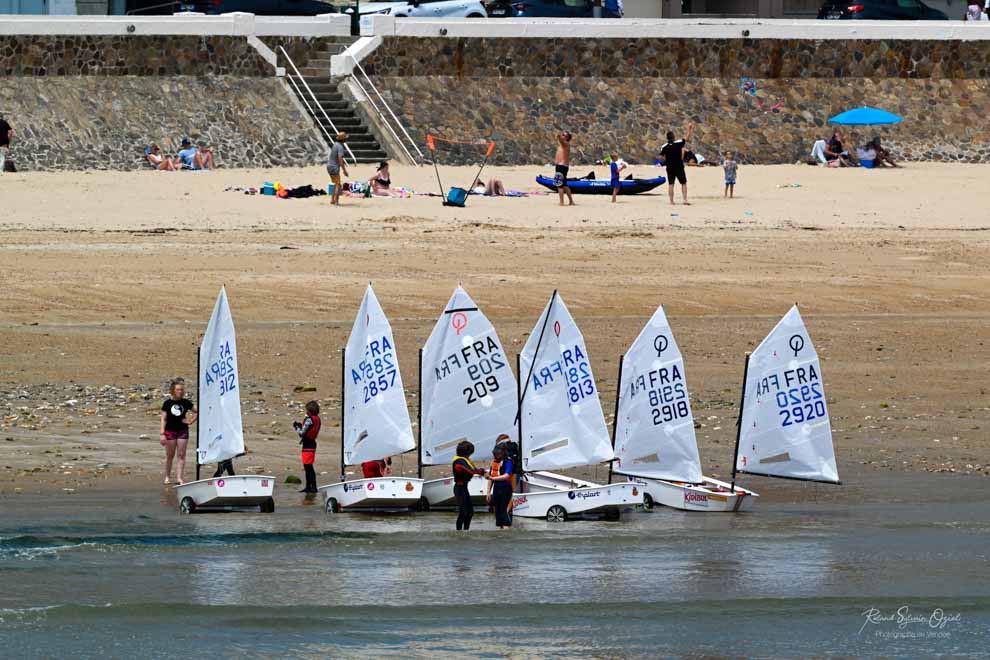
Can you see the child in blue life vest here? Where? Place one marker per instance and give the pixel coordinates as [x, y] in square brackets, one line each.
[464, 470]
[500, 486]
[308, 430]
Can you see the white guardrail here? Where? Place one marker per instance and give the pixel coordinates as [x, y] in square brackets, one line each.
[326, 25]
[673, 28]
[234, 24]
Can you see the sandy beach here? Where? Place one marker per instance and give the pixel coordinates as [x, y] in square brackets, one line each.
[108, 280]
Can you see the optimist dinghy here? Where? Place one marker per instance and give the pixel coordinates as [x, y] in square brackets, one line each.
[784, 428]
[374, 417]
[467, 392]
[219, 405]
[655, 443]
[561, 425]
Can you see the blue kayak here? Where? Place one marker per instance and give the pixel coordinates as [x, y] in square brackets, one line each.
[604, 187]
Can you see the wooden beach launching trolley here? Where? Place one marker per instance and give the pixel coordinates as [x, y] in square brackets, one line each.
[653, 433]
[561, 425]
[374, 419]
[457, 196]
[466, 392]
[219, 405]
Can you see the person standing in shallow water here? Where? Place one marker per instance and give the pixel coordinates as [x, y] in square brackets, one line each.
[464, 470]
[500, 486]
[177, 414]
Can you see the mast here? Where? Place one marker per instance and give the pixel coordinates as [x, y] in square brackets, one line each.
[519, 435]
[742, 402]
[199, 387]
[536, 354]
[343, 376]
[615, 420]
[419, 422]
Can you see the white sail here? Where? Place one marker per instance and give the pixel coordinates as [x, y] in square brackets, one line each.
[468, 390]
[654, 427]
[563, 424]
[785, 429]
[376, 419]
[221, 435]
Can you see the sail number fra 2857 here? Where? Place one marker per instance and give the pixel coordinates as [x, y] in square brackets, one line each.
[377, 370]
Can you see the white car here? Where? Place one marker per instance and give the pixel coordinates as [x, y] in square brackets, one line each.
[426, 8]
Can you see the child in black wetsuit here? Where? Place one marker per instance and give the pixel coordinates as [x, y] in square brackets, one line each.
[464, 470]
[308, 430]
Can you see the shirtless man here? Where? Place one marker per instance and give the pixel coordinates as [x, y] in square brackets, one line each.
[563, 164]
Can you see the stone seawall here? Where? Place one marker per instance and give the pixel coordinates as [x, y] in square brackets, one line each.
[96, 102]
[766, 100]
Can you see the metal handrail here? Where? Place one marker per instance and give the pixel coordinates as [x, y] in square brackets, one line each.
[315, 102]
[381, 98]
[391, 130]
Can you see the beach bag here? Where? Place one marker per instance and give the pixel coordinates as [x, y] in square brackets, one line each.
[457, 197]
[8, 165]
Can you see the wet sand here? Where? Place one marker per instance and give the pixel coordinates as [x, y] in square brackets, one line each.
[108, 280]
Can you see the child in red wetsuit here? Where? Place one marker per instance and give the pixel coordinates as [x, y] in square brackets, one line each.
[376, 469]
[308, 430]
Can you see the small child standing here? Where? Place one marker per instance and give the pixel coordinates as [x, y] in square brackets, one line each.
[615, 167]
[308, 430]
[730, 166]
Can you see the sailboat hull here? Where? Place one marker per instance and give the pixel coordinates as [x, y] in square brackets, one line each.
[380, 494]
[439, 493]
[609, 501]
[237, 492]
[713, 496]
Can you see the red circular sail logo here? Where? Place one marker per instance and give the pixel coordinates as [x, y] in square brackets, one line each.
[556, 328]
[459, 320]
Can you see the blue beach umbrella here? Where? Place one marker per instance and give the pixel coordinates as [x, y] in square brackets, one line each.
[865, 117]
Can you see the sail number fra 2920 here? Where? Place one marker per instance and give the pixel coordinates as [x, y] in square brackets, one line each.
[798, 393]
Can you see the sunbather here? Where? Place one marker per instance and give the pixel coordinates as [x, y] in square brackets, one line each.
[195, 158]
[162, 163]
[883, 158]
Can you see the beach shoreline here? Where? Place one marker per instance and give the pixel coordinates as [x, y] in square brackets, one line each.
[892, 282]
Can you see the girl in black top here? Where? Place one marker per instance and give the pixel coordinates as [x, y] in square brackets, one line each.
[177, 414]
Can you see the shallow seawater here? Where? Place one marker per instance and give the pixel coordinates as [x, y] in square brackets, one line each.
[97, 576]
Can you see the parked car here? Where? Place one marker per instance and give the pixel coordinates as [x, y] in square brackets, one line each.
[540, 8]
[424, 8]
[888, 10]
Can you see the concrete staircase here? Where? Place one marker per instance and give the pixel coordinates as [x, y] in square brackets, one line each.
[317, 75]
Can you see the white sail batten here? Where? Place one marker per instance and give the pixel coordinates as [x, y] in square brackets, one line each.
[468, 390]
[376, 418]
[654, 434]
[563, 423]
[220, 431]
[785, 429]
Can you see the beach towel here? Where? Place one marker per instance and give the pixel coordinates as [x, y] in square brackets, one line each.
[818, 151]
